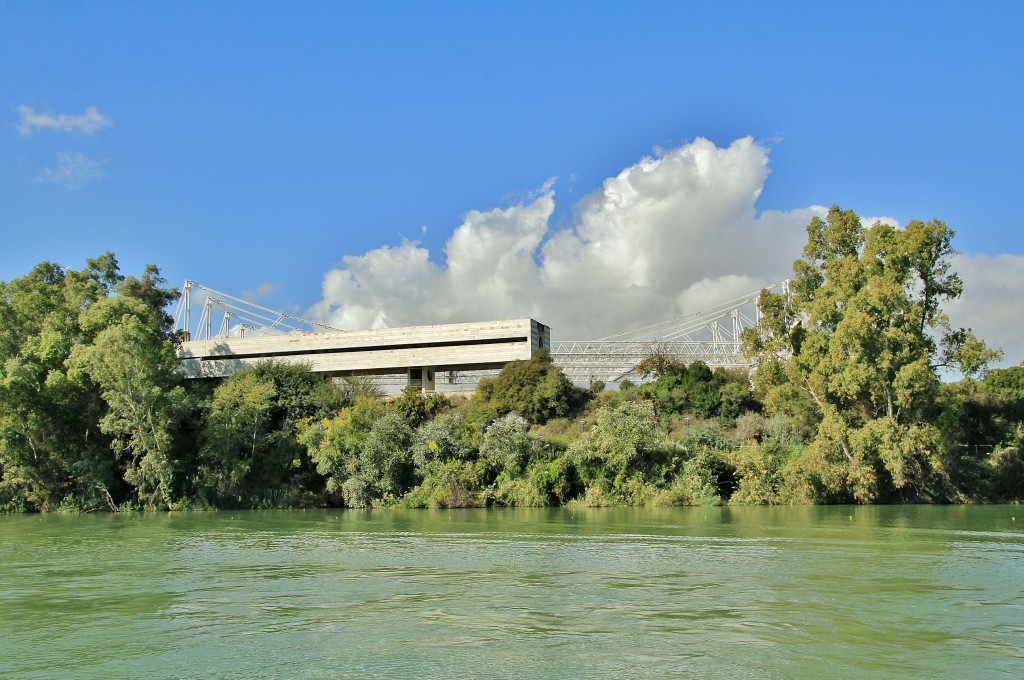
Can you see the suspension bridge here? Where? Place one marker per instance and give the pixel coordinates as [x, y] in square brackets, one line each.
[230, 333]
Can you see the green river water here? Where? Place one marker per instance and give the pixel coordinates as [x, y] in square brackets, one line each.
[806, 592]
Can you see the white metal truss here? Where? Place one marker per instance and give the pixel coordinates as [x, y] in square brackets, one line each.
[234, 317]
[713, 336]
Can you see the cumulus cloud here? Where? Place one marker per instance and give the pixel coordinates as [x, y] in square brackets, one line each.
[88, 122]
[992, 304]
[674, 233]
[74, 169]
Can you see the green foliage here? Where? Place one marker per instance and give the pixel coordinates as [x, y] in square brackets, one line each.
[681, 388]
[707, 434]
[132, 362]
[696, 484]
[384, 466]
[417, 407]
[333, 444]
[507, 445]
[365, 452]
[734, 396]
[750, 427]
[443, 439]
[846, 406]
[535, 389]
[447, 464]
[548, 479]
[251, 454]
[861, 340]
[761, 473]
[1006, 470]
[87, 400]
[623, 456]
[300, 392]
[698, 390]
[450, 484]
[237, 436]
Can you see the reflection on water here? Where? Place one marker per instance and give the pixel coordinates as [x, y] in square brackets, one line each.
[907, 591]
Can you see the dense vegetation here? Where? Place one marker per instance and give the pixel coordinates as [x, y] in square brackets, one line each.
[846, 406]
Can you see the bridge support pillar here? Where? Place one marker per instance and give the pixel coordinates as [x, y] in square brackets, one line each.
[422, 377]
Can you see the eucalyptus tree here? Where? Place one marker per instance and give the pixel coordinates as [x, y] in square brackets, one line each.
[86, 386]
[859, 344]
[132, 362]
[49, 444]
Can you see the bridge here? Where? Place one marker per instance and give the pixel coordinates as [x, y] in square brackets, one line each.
[713, 335]
[448, 354]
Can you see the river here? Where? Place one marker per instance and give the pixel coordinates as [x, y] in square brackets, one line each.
[720, 592]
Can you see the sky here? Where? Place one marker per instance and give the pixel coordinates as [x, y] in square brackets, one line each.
[595, 165]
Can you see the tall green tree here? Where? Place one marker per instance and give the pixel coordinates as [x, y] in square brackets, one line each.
[60, 424]
[133, 363]
[861, 339]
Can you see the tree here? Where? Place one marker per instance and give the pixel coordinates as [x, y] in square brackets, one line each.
[535, 389]
[57, 423]
[623, 449]
[236, 436]
[251, 453]
[686, 388]
[416, 407]
[659, 361]
[383, 466]
[364, 452]
[133, 363]
[862, 338]
[507, 444]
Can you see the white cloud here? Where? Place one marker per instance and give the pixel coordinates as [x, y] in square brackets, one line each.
[260, 291]
[88, 122]
[871, 221]
[992, 304]
[74, 169]
[674, 233]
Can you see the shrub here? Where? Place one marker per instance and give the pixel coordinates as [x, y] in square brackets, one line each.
[536, 389]
[441, 440]
[507, 444]
[416, 407]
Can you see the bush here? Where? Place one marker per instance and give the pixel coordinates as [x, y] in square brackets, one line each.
[1007, 473]
[750, 427]
[441, 440]
[507, 444]
[624, 455]
[449, 484]
[416, 407]
[536, 389]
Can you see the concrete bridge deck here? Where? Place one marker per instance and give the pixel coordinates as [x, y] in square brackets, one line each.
[419, 351]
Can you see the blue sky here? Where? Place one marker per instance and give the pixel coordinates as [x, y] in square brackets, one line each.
[254, 146]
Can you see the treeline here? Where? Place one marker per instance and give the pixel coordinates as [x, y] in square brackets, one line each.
[846, 405]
